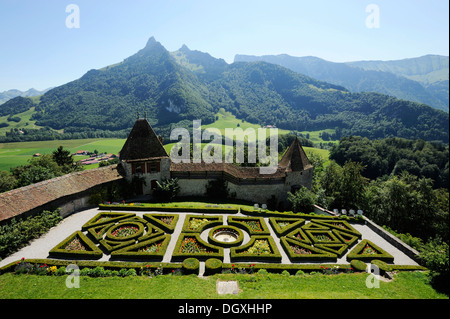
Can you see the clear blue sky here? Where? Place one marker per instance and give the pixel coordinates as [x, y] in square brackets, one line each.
[38, 50]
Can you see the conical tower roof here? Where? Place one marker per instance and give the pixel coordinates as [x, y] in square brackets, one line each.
[295, 158]
[142, 143]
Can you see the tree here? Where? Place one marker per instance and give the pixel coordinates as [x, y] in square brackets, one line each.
[7, 181]
[167, 190]
[344, 187]
[435, 256]
[408, 204]
[302, 201]
[34, 174]
[63, 158]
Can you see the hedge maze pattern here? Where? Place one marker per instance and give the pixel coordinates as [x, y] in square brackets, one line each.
[125, 236]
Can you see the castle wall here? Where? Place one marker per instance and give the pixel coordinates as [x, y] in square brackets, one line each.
[253, 192]
[299, 178]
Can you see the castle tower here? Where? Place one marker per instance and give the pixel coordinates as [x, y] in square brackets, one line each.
[298, 168]
[144, 158]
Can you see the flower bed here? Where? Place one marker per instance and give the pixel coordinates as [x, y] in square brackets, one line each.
[299, 251]
[340, 225]
[260, 248]
[77, 245]
[198, 223]
[283, 226]
[253, 225]
[367, 251]
[151, 249]
[125, 231]
[191, 245]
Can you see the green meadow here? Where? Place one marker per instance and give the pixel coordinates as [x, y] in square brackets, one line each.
[15, 154]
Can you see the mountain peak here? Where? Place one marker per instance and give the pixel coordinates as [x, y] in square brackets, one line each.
[184, 48]
[151, 42]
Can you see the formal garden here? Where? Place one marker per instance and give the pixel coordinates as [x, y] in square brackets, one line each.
[134, 239]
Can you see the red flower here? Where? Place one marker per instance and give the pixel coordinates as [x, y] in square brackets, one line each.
[23, 258]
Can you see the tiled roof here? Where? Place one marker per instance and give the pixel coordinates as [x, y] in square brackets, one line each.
[142, 143]
[21, 200]
[295, 158]
[233, 170]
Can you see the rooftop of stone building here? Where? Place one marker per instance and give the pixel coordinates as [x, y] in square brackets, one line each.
[24, 199]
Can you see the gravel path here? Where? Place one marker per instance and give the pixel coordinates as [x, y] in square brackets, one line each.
[40, 247]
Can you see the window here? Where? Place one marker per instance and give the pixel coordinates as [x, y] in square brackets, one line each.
[153, 167]
[137, 168]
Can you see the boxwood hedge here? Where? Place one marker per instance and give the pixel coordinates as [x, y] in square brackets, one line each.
[243, 253]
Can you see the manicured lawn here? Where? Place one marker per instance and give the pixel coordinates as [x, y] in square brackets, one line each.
[406, 285]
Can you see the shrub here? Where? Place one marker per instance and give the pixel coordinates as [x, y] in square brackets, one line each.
[167, 190]
[191, 265]
[302, 201]
[263, 271]
[358, 265]
[17, 233]
[381, 265]
[213, 266]
[435, 256]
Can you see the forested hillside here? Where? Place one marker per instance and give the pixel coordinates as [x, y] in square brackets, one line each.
[393, 156]
[174, 89]
[423, 79]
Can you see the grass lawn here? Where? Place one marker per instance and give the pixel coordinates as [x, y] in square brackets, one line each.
[406, 285]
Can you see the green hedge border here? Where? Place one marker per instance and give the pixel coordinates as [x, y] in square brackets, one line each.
[139, 233]
[311, 234]
[236, 253]
[236, 221]
[298, 222]
[319, 254]
[176, 256]
[169, 267]
[215, 221]
[215, 242]
[93, 253]
[356, 253]
[351, 230]
[112, 265]
[181, 209]
[116, 217]
[130, 252]
[155, 221]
